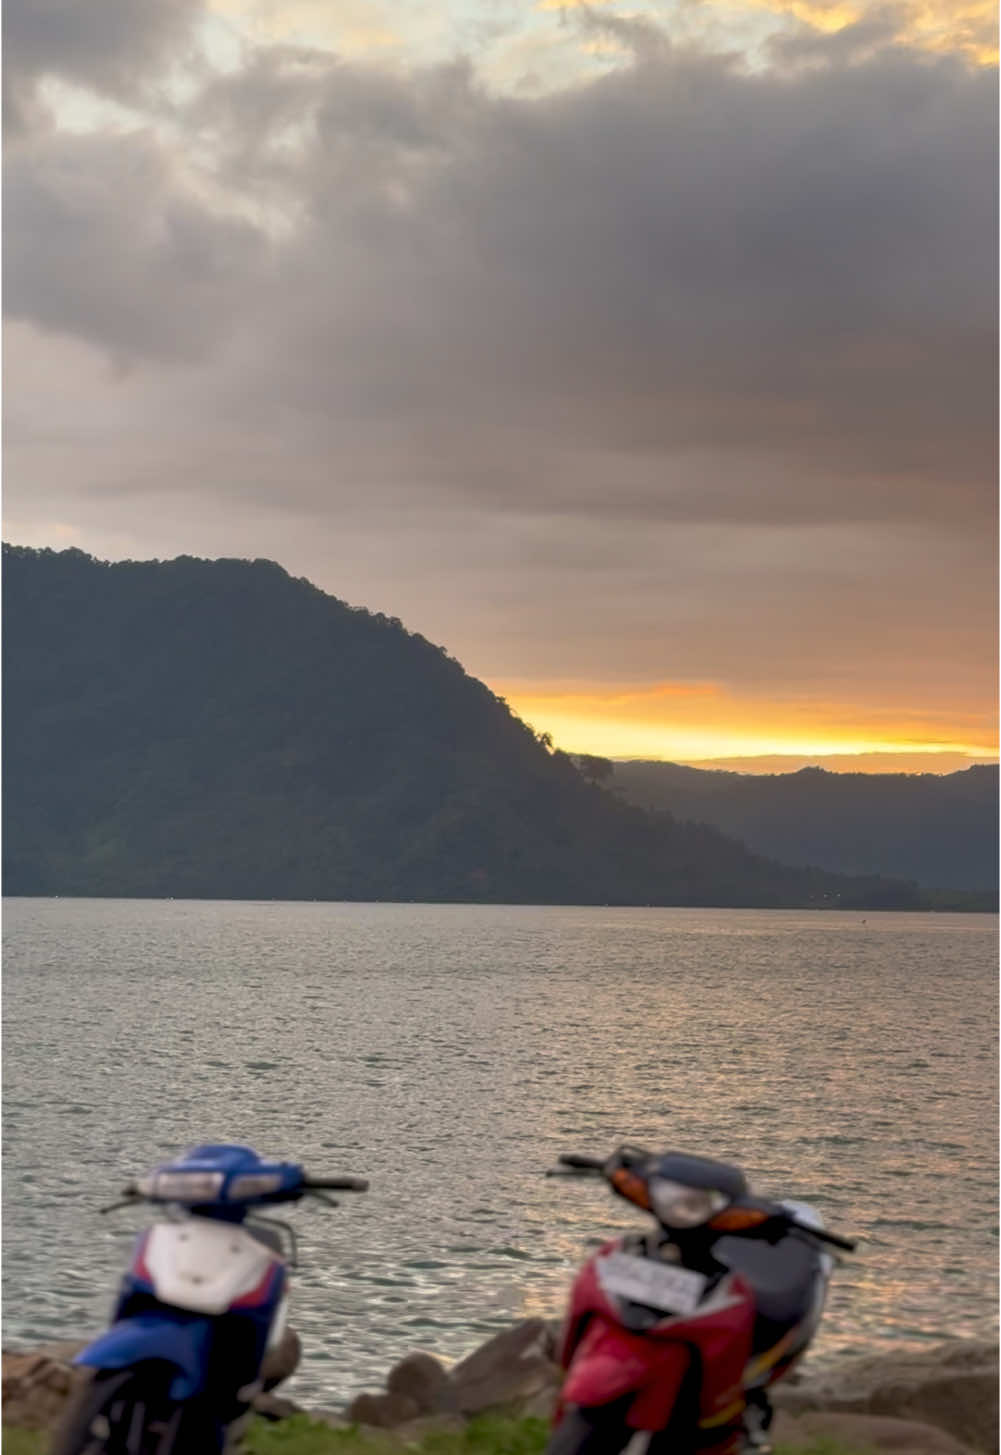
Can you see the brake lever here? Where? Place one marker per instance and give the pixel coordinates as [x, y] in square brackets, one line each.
[130, 1196]
[129, 1201]
[848, 1245]
[322, 1197]
[628, 1156]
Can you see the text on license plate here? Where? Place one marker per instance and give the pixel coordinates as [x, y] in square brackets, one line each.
[641, 1280]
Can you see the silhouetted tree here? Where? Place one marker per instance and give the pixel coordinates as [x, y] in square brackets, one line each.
[216, 729]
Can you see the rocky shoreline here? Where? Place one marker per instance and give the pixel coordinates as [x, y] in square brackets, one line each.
[942, 1401]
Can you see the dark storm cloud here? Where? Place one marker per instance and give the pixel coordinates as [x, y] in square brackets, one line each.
[685, 295]
[109, 244]
[114, 45]
[677, 257]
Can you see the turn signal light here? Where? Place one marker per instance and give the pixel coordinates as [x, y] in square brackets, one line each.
[736, 1219]
[628, 1185]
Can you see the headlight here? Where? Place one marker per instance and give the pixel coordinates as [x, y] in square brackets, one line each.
[253, 1184]
[186, 1186]
[678, 1206]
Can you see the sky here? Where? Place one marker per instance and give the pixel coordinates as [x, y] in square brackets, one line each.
[642, 355]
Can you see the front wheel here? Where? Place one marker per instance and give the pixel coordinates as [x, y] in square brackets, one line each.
[130, 1412]
[597, 1430]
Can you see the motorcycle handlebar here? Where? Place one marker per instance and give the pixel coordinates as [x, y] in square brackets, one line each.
[572, 1164]
[835, 1239]
[576, 1164]
[335, 1184]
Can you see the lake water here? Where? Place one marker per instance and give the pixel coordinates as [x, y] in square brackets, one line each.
[450, 1052]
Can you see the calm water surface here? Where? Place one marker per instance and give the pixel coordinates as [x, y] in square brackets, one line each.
[449, 1052]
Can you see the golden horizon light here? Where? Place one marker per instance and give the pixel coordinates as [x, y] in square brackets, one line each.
[696, 722]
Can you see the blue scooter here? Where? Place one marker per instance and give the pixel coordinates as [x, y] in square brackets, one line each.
[203, 1301]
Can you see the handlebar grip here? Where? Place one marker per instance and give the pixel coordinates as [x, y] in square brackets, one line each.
[848, 1244]
[583, 1164]
[336, 1184]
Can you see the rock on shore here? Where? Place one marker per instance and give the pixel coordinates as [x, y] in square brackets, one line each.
[942, 1401]
[953, 1386]
[514, 1372]
[36, 1385]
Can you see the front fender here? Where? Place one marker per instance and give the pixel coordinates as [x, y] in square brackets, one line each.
[181, 1342]
[610, 1362]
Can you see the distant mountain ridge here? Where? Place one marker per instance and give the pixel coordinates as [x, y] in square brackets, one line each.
[218, 729]
[939, 830]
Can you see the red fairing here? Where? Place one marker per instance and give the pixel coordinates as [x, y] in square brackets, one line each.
[139, 1265]
[722, 1336]
[606, 1361]
[585, 1297]
[612, 1362]
[265, 1289]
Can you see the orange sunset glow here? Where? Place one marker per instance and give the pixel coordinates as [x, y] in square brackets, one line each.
[640, 356]
[695, 722]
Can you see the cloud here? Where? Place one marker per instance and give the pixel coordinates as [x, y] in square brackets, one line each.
[685, 362]
[956, 27]
[676, 257]
[117, 46]
[110, 244]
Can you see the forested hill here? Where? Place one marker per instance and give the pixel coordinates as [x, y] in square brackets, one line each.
[936, 830]
[219, 729]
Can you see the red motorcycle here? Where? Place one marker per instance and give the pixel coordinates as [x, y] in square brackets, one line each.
[673, 1336]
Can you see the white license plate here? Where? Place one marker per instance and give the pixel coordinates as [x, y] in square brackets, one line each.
[658, 1285]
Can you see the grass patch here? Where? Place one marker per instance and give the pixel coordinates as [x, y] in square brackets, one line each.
[824, 1445]
[23, 1442]
[489, 1435]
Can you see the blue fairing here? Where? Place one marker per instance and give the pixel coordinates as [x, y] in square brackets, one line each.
[243, 1180]
[183, 1342]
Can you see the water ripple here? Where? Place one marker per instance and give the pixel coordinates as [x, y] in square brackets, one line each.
[450, 1052]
